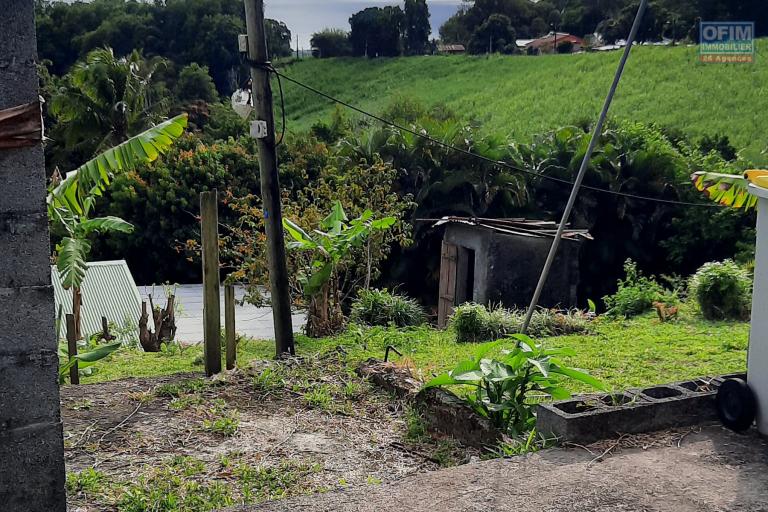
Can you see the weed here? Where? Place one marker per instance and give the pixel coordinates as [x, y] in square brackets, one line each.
[174, 488]
[82, 405]
[636, 294]
[260, 483]
[176, 389]
[185, 402]
[510, 447]
[319, 397]
[373, 480]
[87, 481]
[269, 379]
[352, 389]
[446, 453]
[222, 421]
[416, 427]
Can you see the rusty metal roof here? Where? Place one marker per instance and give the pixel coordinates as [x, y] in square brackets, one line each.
[518, 226]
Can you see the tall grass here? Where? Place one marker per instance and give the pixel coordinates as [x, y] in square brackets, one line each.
[521, 96]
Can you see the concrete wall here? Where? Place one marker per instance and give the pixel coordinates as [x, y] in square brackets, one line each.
[31, 446]
[516, 263]
[507, 267]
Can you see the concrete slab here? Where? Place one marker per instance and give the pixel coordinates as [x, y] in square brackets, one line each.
[249, 320]
[712, 470]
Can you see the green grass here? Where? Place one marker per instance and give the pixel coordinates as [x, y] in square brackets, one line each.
[522, 96]
[187, 484]
[623, 353]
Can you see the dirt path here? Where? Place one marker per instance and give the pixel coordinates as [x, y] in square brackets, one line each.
[706, 471]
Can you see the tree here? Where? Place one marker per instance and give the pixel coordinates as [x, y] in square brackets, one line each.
[195, 84]
[417, 28]
[454, 30]
[495, 35]
[104, 100]
[278, 38]
[331, 248]
[330, 42]
[377, 32]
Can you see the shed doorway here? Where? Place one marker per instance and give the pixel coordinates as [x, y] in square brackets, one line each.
[457, 280]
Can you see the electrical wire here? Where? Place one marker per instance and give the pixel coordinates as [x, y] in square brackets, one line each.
[481, 157]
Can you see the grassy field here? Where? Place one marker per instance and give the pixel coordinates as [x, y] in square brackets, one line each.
[522, 96]
[634, 352]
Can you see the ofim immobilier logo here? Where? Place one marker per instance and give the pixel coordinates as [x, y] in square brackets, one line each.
[727, 41]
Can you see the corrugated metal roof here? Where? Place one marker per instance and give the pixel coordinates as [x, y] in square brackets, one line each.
[108, 290]
[517, 226]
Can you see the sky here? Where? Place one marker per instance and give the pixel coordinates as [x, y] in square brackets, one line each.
[304, 17]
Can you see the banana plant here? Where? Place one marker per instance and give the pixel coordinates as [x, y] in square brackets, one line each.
[84, 359]
[71, 202]
[90, 180]
[503, 386]
[330, 246]
[731, 189]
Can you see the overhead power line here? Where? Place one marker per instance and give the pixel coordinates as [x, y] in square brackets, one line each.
[500, 163]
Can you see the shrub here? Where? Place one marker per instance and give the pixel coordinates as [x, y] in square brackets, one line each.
[636, 294]
[722, 290]
[471, 323]
[475, 323]
[380, 307]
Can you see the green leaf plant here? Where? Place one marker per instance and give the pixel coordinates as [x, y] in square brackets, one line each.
[504, 389]
[330, 247]
[71, 201]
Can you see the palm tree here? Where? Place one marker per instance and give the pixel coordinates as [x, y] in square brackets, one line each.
[105, 100]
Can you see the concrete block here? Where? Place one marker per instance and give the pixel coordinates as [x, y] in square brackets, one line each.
[26, 250]
[18, 55]
[22, 173]
[586, 419]
[36, 450]
[23, 404]
[21, 330]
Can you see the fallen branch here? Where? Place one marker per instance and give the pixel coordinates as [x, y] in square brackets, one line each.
[113, 429]
[608, 450]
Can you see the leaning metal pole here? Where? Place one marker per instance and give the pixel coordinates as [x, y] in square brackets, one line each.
[584, 165]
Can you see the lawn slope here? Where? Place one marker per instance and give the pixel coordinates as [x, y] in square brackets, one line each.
[522, 96]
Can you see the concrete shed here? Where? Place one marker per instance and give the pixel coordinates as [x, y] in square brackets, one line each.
[108, 290]
[498, 261]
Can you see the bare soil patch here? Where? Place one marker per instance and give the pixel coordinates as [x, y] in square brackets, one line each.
[703, 469]
[275, 430]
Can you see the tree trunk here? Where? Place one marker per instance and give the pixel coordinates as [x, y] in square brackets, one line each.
[77, 302]
[31, 441]
[325, 317]
[163, 323]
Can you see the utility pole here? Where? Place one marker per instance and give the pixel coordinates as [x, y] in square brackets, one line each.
[297, 47]
[270, 184]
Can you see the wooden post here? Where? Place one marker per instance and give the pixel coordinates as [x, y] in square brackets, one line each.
[229, 325]
[209, 220]
[74, 371]
[270, 185]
